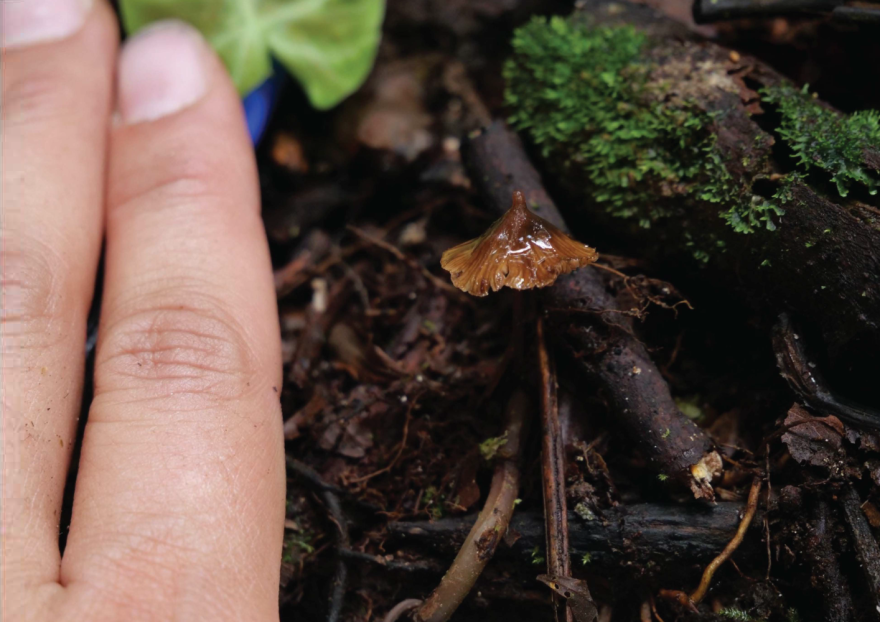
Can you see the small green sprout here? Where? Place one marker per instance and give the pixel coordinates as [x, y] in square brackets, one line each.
[489, 448]
[537, 558]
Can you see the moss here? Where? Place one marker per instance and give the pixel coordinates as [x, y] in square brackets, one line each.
[296, 546]
[823, 140]
[583, 96]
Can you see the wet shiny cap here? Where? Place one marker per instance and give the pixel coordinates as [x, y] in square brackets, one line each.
[520, 250]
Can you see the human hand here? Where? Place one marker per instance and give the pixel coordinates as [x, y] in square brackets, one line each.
[179, 502]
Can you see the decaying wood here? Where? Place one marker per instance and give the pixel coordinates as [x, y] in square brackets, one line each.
[665, 544]
[601, 343]
[821, 263]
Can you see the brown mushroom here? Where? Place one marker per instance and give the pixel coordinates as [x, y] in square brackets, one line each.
[520, 250]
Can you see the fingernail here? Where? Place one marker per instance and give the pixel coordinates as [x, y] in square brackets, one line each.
[36, 21]
[161, 71]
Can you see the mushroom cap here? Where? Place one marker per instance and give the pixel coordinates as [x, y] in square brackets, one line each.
[520, 250]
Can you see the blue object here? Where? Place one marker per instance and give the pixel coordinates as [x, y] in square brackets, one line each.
[259, 103]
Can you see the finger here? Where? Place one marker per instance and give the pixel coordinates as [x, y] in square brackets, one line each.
[58, 66]
[181, 484]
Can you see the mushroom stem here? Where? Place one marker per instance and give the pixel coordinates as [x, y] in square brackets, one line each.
[491, 525]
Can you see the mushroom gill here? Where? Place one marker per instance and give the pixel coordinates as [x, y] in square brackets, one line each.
[520, 250]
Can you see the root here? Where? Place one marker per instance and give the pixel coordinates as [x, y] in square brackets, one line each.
[751, 507]
[491, 525]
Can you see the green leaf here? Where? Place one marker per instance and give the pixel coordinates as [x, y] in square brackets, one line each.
[328, 45]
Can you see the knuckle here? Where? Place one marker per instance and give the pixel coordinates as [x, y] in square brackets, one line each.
[32, 293]
[170, 350]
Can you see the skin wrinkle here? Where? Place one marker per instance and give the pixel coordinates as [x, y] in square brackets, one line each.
[169, 345]
[37, 303]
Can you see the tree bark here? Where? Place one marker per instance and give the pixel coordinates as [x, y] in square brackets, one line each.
[823, 261]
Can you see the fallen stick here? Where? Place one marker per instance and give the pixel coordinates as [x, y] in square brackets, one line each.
[491, 525]
[553, 476]
[607, 353]
[664, 540]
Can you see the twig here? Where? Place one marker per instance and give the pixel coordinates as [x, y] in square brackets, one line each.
[636, 293]
[400, 449]
[826, 421]
[808, 383]
[310, 475]
[677, 596]
[491, 525]
[340, 575]
[867, 551]
[654, 610]
[410, 261]
[400, 608]
[423, 566]
[553, 471]
[316, 481]
[751, 506]
[334, 511]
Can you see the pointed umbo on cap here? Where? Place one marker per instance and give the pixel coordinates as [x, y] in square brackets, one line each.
[520, 250]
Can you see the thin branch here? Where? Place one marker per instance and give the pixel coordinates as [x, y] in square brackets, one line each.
[553, 471]
[400, 449]
[401, 608]
[410, 261]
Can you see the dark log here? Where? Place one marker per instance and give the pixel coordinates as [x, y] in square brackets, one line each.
[821, 263]
[585, 320]
[666, 541]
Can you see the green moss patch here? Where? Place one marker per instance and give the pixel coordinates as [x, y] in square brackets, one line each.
[583, 96]
[823, 140]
